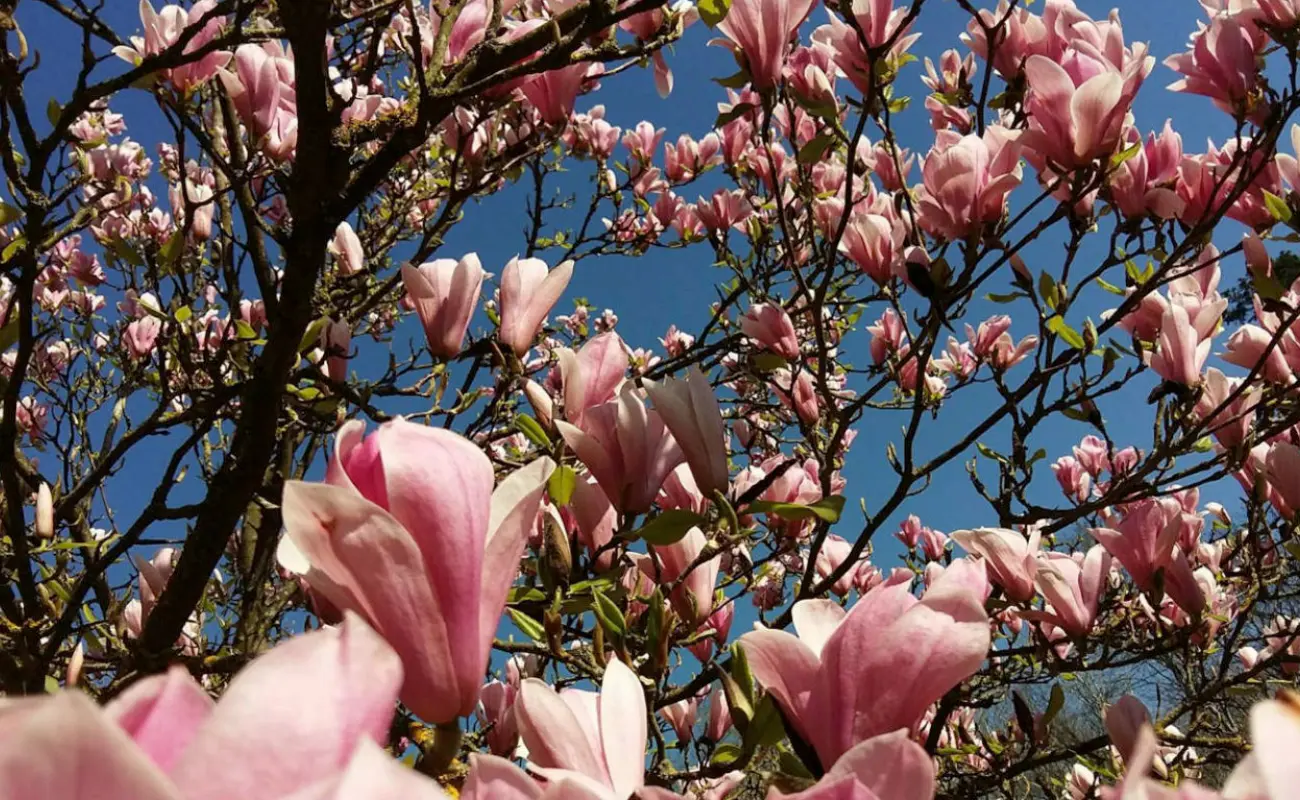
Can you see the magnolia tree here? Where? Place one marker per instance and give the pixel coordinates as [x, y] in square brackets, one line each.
[300, 502]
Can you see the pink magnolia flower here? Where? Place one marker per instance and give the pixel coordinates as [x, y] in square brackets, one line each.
[164, 28]
[715, 630]
[1223, 65]
[263, 93]
[691, 413]
[141, 336]
[797, 391]
[835, 550]
[554, 92]
[1283, 466]
[627, 448]
[879, 21]
[407, 519]
[584, 735]
[1145, 541]
[303, 720]
[346, 249]
[593, 375]
[719, 716]
[495, 778]
[336, 341]
[1142, 184]
[1180, 353]
[671, 564]
[1012, 559]
[528, 293]
[759, 34]
[967, 180]
[1077, 104]
[886, 767]
[444, 293]
[1075, 481]
[850, 676]
[1072, 588]
[872, 243]
[497, 709]
[681, 717]
[770, 328]
[1250, 345]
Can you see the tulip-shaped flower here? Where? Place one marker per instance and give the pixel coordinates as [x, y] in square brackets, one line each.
[347, 251]
[164, 28]
[770, 328]
[719, 715]
[1180, 352]
[407, 531]
[1077, 107]
[444, 293]
[592, 375]
[759, 32]
[626, 447]
[497, 709]
[1283, 466]
[967, 180]
[851, 676]
[675, 563]
[301, 721]
[336, 341]
[1012, 558]
[681, 717]
[528, 293]
[1072, 589]
[578, 734]
[690, 410]
[1145, 542]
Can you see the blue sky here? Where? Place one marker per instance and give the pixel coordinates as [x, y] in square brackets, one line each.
[667, 287]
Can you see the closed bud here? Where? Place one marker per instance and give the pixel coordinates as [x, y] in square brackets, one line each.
[44, 512]
[555, 546]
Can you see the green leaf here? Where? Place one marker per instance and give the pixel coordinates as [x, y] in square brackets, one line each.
[1266, 286]
[9, 214]
[51, 684]
[611, 618]
[1203, 445]
[990, 453]
[669, 526]
[1054, 704]
[827, 509]
[767, 362]
[767, 728]
[532, 430]
[793, 766]
[815, 149]
[1003, 298]
[1048, 290]
[737, 111]
[1061, 328]
[1110, 287]
[1277, 207]
[561, 484]
[183, 314]
[1125, 154]
[172, 248]
[725, 754]
[52, 111]
[311, 336]
[244, 331]
[527, 625]
[736, 81]
[713, 11]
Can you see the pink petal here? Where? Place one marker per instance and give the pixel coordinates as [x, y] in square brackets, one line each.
[623, 727]
[162, 713]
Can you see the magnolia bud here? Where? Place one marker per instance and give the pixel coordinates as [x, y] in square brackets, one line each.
[541, 402]
[44, 512]
[75, 662]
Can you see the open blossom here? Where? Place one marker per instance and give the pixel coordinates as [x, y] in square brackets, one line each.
[1072, 587]
[1180, 352]
[554, 92]
[967, 180]
[304, 720]
[1012, 559]
[1223, 65]
[600, 737]
[690, 411]
[1143, 184]
[850, 676]
[163, 28]
[758, 32]
[878, 21]
[1078, 103]
[872, 243]
[407, 518]
[1145, 541]
[263, 91]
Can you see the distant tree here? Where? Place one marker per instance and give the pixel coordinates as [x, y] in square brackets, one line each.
[1241, 306]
